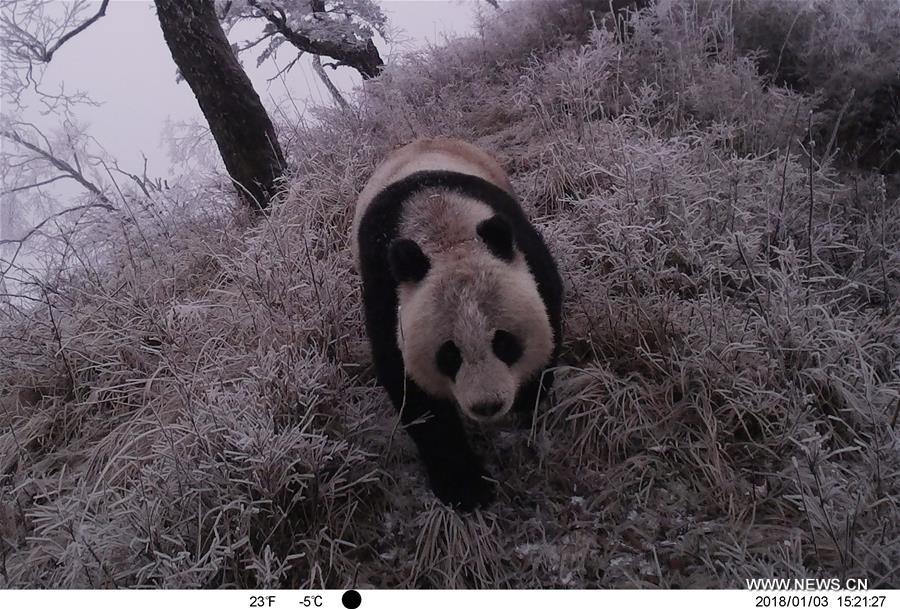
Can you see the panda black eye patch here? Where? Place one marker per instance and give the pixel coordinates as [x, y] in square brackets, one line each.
[506, 347]
[497, 235]
[407, 262]
[448, 359]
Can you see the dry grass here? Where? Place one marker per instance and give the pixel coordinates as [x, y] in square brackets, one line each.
[196, 408]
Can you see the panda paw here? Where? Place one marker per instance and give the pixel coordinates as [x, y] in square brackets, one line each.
[463, 487]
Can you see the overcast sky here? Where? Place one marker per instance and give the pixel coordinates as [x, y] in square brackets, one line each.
[123, 62]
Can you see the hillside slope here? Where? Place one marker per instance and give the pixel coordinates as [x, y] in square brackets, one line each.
[197, 408]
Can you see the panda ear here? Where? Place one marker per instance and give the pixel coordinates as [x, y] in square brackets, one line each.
[497, 235]
[407, 261]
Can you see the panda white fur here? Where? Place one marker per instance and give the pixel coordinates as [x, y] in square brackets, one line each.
[462, 302]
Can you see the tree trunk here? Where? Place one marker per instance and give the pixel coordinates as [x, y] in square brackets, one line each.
[237, 119]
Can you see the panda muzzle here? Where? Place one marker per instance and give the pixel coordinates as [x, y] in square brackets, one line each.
[486, 410]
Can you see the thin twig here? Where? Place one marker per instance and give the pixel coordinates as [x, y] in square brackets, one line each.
[787, 158]
[35, 185]
[20, 242]
[756, 284]
[809, 234]
[837, 124]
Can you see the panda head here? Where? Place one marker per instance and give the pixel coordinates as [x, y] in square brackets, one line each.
[472, 325]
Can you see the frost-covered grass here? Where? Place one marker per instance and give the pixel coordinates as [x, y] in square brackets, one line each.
[201, 410]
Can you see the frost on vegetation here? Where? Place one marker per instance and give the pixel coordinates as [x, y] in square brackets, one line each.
[340, 22]
[200, 410]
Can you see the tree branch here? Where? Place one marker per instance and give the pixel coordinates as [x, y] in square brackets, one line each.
[317, 67]
[287, 68]
[48, 54]
[35, 185]
[250, 44]
[363, 57]
[57, 162]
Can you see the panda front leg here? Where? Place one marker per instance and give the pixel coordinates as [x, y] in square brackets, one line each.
[456, 474]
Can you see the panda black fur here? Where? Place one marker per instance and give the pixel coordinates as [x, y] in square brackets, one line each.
[437, 223]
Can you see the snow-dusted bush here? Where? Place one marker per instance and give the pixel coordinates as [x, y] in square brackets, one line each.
[846, 52]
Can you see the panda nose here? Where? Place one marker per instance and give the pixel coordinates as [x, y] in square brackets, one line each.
[487, 409]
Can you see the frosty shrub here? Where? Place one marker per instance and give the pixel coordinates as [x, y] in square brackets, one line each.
[846, 52]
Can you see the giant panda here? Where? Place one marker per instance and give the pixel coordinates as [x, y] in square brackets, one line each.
[462, 302]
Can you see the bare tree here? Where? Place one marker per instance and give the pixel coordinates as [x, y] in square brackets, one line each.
[31, 32]
[237, 119]
[35, 164]
[34, 170]
[340, 29]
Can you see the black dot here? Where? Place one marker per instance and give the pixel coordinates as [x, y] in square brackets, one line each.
[351, 599]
